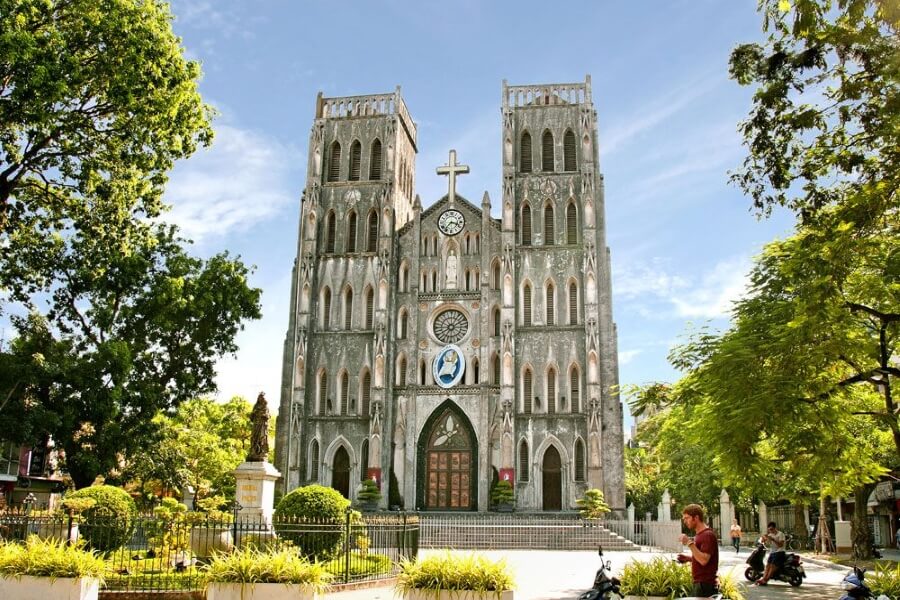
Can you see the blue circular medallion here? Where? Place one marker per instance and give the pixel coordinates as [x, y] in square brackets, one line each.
[449, 366]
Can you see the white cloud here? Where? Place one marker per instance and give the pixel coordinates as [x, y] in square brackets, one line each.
[640, 279]
[717, 290]
[241, 180]
[626, 356]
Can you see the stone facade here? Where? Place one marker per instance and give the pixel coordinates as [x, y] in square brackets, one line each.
[451, 350]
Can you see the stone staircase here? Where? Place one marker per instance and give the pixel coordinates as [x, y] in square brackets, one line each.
[518, 531]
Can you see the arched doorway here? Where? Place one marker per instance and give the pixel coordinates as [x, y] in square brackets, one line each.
[551, 471]
[448, 459]
[340, 472]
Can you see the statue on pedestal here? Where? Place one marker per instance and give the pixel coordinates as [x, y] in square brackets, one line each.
[259, 437]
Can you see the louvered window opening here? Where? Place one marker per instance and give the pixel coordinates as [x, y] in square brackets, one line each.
[569, 151]
[314, 462]
[334, 164]
[375, 161]
[329, 233]
[422, 372]
[345, 394]
[549, 226]
[496, 370]
[523, 461]
[402, 373]
[355, 152]
[496, 321]
[364, 464]
[573, 304]
[575, 384]
[579, 460]
[404, 324]
[526, 392]
[547, 152]
[476, 371]
[326, 309]
[551, 391]
[348, 310]
[366, 393]
[495, 276]
[369, 308]
[525, 154]
[571, 224]
[526, 306]
[351, 233]
[551, 305]
[323, 392]
[372, 237]
[526, 225]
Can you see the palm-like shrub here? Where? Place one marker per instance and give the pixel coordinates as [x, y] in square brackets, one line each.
[48, 558]
[312, 517]
[109, 522]
[252, 566]
[592, 505]
[448, 571]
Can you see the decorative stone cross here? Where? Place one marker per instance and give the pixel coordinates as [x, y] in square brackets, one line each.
[451, 169]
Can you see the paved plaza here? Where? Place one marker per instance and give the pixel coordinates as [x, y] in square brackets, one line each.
[559, 575]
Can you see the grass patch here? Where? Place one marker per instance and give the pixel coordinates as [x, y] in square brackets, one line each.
[360, 566]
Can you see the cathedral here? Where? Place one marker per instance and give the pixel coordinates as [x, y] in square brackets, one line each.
[439, 350]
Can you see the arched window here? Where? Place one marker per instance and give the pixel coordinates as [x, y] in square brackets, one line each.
[575, 388]
[345, 393]
[495, 368]
[404, 278]
[401, 371]
[476, 371]
[551, 390]
[525, 153]
[372, 232]
[523, 461]
[366, 393]
[495, 274]
[355, 152]
[550, 305]
[496, 320]
[549, 226]
[323, 392]
[569, 151]
[573, 303]
[375, 161]
[364, 463]
[334, 162]
[351, 232]
[527, 392]
[370, 305]
[571, 224]
[547, 152]
[526, 306]
[422, 372]
[526, 225]
[326, 308]
[329, 232]
[434, 280]
[314, 461]
[579, 460]
[403, 324]
[348, 309]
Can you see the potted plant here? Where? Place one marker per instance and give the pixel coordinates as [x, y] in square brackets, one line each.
[449, 576]
[249, 574]
[368, 495]
[502, 496]
[657, 579]
[50, 570]
[592, 505]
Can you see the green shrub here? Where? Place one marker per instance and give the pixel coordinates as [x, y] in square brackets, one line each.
[592, 505]
[312, 517]
[252, 566]
[448, 571]
[48, 558]
[657, 577]
[502, 493]
[361, 565]
[369, 492]
[109, 523]
[885, 580]
[730, 586]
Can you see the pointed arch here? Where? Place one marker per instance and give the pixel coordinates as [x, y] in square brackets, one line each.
[364, 460]
[370, 308]
[334, 162]
[404, 277]
[365, 392]
[573, 302]
[313, 467]
[326, 308]
[372, 231]
[526, 224]
[525, 153]
[495, 321]
[351, 231]
[569, 151]
[547, 158]
[571, 223]
[549, 225]
[495, 274]
[551, 390]
[550, 304]
[495, 369]
[329, 232]
[526, 304]
[345, 393]
[527, 390]
[579, 460]
[403, 324]
[355, 159]
[575, 387]
[375, 161]
[401, 370]
[423, 372]
[322, 392]
[435, 450]
[476, 370]
[348, 308]
[524, 466]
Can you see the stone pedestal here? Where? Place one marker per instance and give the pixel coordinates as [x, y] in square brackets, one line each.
[255, 489]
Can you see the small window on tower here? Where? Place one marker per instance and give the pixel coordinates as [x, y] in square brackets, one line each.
[375, 161]
[525, 153]
[334, 162]
[547, 158]
[355, 151]
[569, 151]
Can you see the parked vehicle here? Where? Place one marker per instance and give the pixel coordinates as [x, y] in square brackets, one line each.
[604, 585]
[855, 587]
[791, 572]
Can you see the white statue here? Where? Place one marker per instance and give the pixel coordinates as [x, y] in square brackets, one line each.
[452, 268]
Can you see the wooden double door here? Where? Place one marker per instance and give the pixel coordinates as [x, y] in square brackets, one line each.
[449, 465]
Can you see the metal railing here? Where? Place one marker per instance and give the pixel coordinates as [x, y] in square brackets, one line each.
[148, 553]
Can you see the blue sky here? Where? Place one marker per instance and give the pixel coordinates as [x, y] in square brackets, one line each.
[681, 237]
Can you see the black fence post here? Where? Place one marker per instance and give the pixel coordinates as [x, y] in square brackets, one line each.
[347, 544]
[69, 540]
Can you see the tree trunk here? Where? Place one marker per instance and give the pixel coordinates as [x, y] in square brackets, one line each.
[799, 530]
[862, 535]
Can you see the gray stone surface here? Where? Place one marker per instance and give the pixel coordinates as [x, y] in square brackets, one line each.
[404, 269]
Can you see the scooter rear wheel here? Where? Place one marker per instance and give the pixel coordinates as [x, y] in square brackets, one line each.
[752, 574]
[795, 580]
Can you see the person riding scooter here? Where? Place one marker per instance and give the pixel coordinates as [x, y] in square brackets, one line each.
[775, 540]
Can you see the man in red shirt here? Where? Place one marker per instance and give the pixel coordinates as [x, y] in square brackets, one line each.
[704, 549]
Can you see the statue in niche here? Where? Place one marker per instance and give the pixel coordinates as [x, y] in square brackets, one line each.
[379, 340]
[593, 339]
[508, 188]
[306, 266]
[452, 269]
[259, 436]
[506, 341]
[587, 185]
[507, 258]
[590, 257]
[301, 342]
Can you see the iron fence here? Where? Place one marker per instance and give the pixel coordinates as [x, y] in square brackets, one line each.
[148, 553]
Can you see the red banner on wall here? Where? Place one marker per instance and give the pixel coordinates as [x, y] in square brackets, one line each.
[374, 473]
[508, 475]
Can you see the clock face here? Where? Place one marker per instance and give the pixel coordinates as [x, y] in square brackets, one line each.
[451, 222]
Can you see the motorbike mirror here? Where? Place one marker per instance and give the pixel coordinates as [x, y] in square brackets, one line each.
[600, 550]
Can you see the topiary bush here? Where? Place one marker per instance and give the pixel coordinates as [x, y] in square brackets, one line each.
[109, 523]
[312, 517]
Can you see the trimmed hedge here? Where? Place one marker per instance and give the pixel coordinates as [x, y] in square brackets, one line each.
[109, 523]
[312, 517]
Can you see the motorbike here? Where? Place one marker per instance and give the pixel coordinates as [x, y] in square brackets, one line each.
[791, 572]
[604, 585]
[855, 587]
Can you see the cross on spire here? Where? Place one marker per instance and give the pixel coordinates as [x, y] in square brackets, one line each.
[452, 169]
